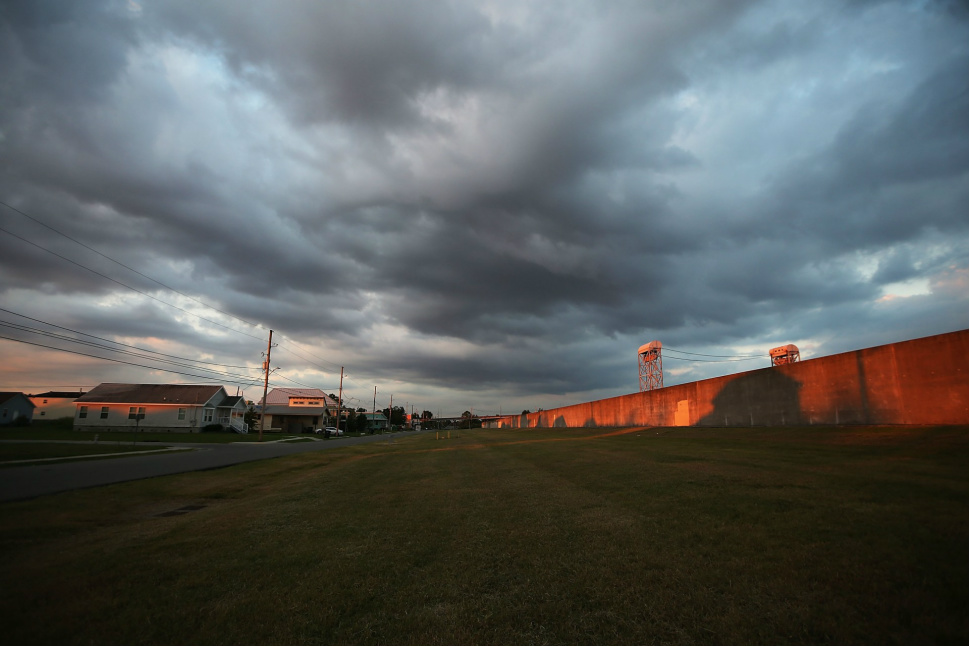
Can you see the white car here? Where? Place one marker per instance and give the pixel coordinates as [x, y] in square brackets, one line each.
[328, 431]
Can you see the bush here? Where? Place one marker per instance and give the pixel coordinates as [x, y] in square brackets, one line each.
[212, 428]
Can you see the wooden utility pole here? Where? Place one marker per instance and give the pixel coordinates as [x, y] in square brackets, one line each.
[265, 385]
[339, 403]
[373, 419]
[390, 412]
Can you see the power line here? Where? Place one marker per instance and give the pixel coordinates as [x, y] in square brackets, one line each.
[666, 356]
[232, 379]
[118, 262]
[163, 354]
[720, 356]
[143, 293]
[62, 337]
[100, 346]
[125, 285]
[130, 363]
[145, 276]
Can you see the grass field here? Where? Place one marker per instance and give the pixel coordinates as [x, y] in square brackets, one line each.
[564, 536]
[59, 433]
[12, 454]
[53, 433]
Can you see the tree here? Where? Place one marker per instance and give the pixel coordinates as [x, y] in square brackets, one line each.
[427, 415]
[526, 412]
[468, 420]
[363, 424]
[351, 422]
[250, 416]
[397, 417]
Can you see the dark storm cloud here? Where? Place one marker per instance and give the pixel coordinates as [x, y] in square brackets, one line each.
[496, 196]
[878, 182]
[343, 61]
[64, 52]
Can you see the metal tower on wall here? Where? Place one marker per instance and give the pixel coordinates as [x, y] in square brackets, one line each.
[650, 366]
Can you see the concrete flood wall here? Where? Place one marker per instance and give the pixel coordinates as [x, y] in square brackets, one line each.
[923, 381]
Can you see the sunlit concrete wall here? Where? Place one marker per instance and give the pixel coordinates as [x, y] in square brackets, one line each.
[923, 381]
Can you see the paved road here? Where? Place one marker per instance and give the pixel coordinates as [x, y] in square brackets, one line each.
[21, 483]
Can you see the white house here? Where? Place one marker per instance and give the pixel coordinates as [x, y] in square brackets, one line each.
[54, 404]
[158, 407]
[14, 407]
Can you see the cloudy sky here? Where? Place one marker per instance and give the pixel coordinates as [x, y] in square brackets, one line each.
[474, 204]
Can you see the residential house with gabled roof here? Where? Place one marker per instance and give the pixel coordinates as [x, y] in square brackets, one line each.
[15, 407]
[376, 421]
[298, 410]
[54, 404]
[158, 407]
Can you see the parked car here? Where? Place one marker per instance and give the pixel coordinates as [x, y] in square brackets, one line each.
[328, 431]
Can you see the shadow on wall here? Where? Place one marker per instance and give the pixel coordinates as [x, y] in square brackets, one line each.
[765, 397]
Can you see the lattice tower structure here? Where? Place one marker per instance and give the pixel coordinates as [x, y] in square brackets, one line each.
[650, 366]
[784, 354]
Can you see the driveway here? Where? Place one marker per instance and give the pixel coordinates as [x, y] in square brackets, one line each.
[22, 483]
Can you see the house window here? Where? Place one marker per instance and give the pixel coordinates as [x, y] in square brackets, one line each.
[104, 412]
[181, 414]
[5, 412]
[45, 401]
[82, 414]
[42, 413]
[136, 412]
[207, 417]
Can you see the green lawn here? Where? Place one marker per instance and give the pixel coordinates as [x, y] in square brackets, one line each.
[682, 536]
[31, 451]
[38, 432]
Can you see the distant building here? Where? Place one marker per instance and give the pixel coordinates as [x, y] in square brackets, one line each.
[298, 410]
[54, 404]
[15, 407]
[376, 421]
[158, 407]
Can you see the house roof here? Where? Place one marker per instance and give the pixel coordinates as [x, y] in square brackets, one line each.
[230, 402]
[7, 396]
[57, 394]
[281, 396]
[150, 394]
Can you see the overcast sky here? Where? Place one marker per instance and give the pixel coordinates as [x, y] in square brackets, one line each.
[476, 204]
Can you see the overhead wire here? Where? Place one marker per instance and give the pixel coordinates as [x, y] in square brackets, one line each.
[720, 356]
[125, 285]
[232, 379]
[118, 262]
[147, 295]
[147, 277]
[99, 346]
[93, 336]
[708, 360]
[54, 335]
[130, 363]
